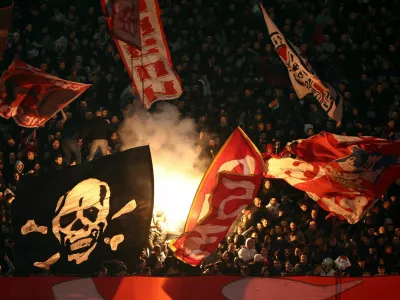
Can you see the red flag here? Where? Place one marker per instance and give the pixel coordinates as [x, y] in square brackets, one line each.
[232, 193]
[150, 67]
[235, 174]
[343, 174]
[5, 24]
[126, 21]
[32, 96]
[238, 155]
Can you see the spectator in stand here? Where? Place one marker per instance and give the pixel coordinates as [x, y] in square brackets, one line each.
[272, 208]
[247, 252]
[257, 212]
[157, 257]
[30, 162]
[58, 163]
[158, 235]
[327, 267]
[71, 141]
[98, 130]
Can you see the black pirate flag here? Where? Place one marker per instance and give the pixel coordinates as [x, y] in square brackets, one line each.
[72, 221]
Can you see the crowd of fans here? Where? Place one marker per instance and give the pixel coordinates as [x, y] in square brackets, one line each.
[231, 76]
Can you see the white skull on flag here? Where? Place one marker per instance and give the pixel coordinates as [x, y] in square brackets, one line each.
[82, 218]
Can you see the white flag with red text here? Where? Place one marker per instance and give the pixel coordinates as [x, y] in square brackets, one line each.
[301, 74]
[150, 67]
[345, 175]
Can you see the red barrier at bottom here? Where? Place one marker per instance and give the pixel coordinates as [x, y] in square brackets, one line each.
[198, 287]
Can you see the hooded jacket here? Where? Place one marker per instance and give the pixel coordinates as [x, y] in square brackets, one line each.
[247, 254]
[18, 163]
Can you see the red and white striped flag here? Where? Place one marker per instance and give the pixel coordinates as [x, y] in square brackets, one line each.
[150, 67]
[345, 175]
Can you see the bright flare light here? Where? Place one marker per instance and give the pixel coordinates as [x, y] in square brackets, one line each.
[173, 194]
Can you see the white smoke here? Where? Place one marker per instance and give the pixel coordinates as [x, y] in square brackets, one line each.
[172, 141]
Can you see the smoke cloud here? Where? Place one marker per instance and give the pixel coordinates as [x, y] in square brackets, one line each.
[172, 141]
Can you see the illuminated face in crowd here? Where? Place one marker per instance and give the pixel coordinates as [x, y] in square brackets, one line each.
[303, 258]
[293, 226]
[264, 222]
[250, 244]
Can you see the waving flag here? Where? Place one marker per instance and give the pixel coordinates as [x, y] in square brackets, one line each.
[31, 96]
[126, 22]
[5, 24]
[229, 185]
[150, 67]
[71, 221]
[301, 74]
[345, 175]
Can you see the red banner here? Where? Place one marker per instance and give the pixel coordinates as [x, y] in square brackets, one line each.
[238, 155]
[222, 182]
[32, 96]
[343, 174]
[150, 67]
[232, 193]
[5, 24]
[199, 288]
[126, 21]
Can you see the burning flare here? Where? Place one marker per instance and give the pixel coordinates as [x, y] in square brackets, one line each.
[174, 192]
[172, 141]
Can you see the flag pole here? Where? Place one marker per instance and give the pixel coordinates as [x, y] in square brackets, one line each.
[141, 62]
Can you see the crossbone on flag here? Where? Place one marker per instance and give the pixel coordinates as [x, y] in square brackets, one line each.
[71, 221]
